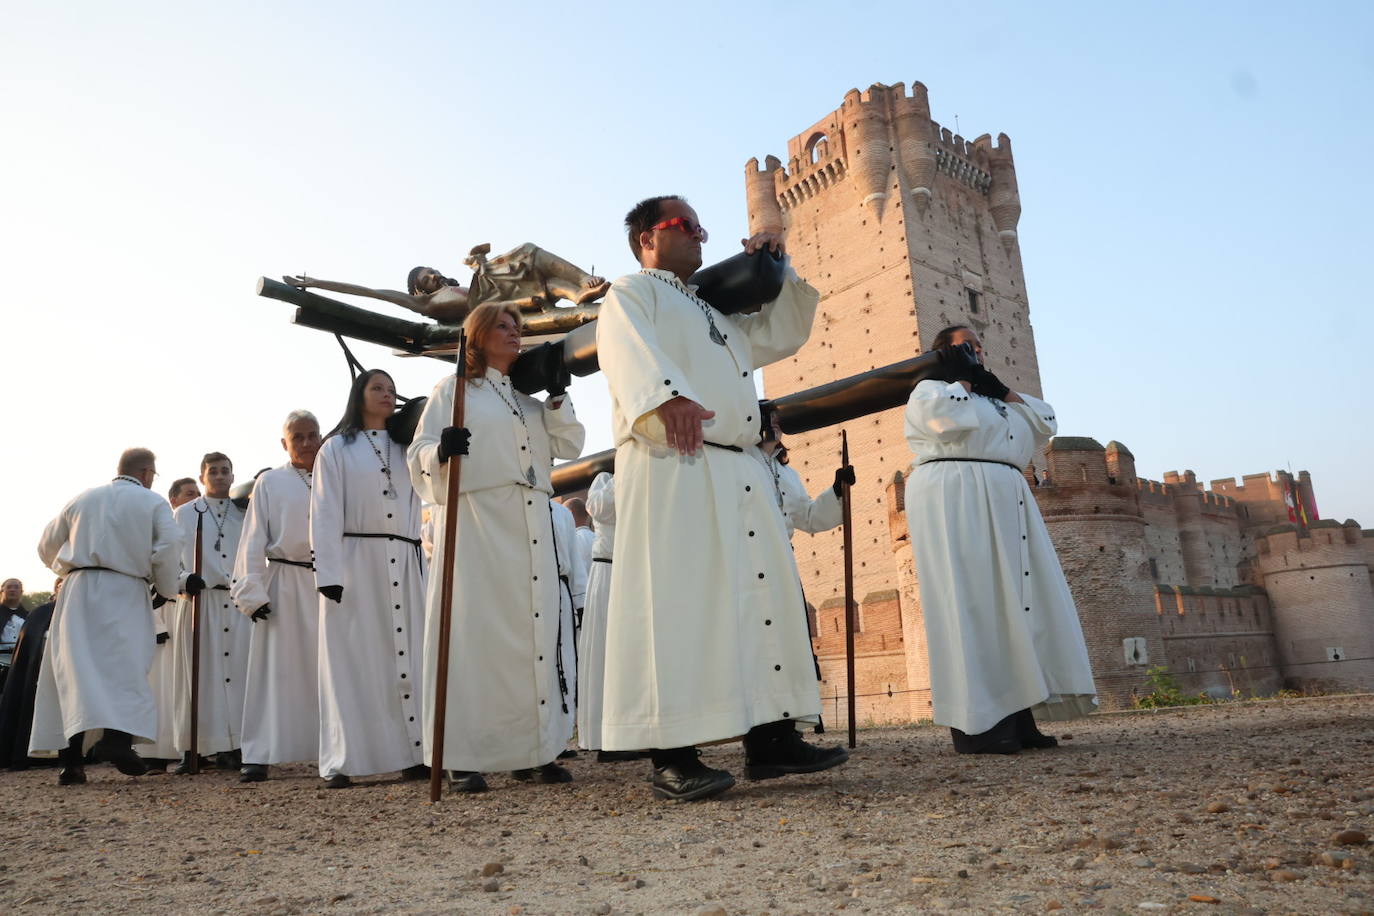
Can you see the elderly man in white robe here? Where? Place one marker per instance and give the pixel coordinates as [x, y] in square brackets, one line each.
[110, 544]
[274, 585]
[163, 675]
[224, 633]
[1004, 639]
[706, 636]
[370, 573]
[507, 707]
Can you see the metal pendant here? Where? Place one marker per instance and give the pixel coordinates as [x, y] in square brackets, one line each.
[389, 492]
[529, 474]
[217, 543]
[715, 336]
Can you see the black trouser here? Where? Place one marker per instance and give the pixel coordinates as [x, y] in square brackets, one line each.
[755, 739]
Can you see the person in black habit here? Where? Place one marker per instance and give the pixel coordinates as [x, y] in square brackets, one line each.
[16, 702]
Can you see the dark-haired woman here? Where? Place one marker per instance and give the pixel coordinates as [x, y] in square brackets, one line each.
[1002, 632]
[365, 534]
[510, 700]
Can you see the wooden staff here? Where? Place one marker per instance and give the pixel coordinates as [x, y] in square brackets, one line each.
[455, 468]
[195, 646]
[849, 607]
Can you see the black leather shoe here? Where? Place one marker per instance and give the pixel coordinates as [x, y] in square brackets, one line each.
[71, 776]
[417, 772]
[156, 764]
[689, 780]
[121, 755]
[464, 781]
[1030, 735]
[338, 781]
[548, 774]
[619, 756]
[253, 772]
[227, 760]
[789, 754]
[1002, 738]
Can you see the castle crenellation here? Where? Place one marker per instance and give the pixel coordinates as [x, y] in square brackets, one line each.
[891, 216]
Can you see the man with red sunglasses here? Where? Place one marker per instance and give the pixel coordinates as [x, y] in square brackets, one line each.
[706, 625]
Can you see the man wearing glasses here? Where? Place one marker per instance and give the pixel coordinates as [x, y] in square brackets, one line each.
[706, 627]
[109, 543]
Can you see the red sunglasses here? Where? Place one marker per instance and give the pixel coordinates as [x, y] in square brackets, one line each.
[685, 224]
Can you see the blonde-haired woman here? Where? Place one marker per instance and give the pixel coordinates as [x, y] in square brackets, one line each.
[509, 705]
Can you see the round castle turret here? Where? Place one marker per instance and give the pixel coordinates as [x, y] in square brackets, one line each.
[1319, 586]
[760, 189]
[870, 155]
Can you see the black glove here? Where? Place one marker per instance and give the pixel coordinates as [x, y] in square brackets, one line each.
[262, 612]
[333, 592]
[987, 384]
[541, 369]
[194, 585]
[958, 363]
[163, 637]
[158, 601]
[453, 441]
[844, 475]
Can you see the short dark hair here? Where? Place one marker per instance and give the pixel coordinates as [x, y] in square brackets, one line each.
[413, 278]
[210, 458]
[645, 214]
[946, 337]
[178, 484]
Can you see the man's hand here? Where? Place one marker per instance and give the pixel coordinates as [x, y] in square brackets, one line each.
[772, 240]
[194, 585]
[261, 613]
[333, 592]
[682, 419]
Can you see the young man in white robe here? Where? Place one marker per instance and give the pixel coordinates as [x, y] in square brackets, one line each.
[706, 636]
[224, 633]
[274, 586]
[110, 544]
[162, 676]
[801, 512]
[586, 537]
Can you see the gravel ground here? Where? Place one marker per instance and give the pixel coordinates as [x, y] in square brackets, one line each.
[1233, 808]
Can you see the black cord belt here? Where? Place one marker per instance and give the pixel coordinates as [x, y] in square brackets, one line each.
[103, 568]
[728, 448]
[222, 588]
[301, 563]
[390, 537]
[1007, 464]
[601, 559]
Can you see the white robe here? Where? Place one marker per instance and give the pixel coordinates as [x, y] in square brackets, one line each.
[505, 709]
[94, 673]
[281, 705]
[591, 641]
[1001, 628]
[369, 679]
[224, 633]
[706, 636]
[586, 538]
[162, 681]
[801, 512]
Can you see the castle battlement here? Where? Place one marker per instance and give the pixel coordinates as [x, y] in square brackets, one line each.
[1326, 542]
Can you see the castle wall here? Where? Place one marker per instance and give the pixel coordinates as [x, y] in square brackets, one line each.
[1319, 586]
[880, 661]
[1220, 641]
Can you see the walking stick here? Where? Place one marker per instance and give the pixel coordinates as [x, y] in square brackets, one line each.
[455, 467]
[195, 648]
[849, 608]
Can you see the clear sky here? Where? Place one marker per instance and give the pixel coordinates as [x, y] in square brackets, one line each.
[1195, 213]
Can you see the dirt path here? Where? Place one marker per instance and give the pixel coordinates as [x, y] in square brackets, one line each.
[1134, 813]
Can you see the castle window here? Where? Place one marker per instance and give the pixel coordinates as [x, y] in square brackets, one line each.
[1154, 569]
[973, 298]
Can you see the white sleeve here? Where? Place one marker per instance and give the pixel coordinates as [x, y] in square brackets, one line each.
[326, 515]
